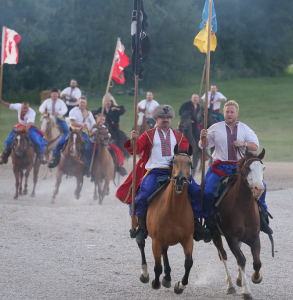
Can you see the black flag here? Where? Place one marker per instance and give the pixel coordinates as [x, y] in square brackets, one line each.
[141, 44]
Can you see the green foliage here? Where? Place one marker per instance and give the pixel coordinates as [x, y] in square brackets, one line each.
[62, 39]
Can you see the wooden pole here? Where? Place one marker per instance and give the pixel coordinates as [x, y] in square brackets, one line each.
[202, 77]
[106, 93]
[206, 100]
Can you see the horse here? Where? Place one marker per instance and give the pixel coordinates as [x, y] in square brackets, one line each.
[72, 162]
[170, 221]
[142, 124]
[240, 221]
[23, 158]
[185, 126]
[52, 136]
[103, 166]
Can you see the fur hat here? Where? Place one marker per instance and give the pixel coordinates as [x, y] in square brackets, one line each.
[162, 111]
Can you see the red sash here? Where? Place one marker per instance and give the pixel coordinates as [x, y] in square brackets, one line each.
[219, 162]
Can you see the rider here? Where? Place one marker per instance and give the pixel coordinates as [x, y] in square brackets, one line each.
[149, 104]
[57, 108]
[226, 137]
[214, 102]
[195, 111]
[157, 146]
[26, 117]
[70, 95]
[79, 117]
[101, 119]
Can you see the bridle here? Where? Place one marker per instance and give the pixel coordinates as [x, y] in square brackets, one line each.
[243, 169]
[185, 181]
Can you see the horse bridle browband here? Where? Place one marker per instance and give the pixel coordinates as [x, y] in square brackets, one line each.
[184, 181]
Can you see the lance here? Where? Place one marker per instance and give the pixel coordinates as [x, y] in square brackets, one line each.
[1, 72]
[206, 101]
[137, 64]
[106, 93]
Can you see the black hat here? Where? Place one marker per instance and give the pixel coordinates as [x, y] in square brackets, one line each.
[54, 90]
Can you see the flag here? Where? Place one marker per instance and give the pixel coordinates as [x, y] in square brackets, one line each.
[141, 44]
[10, 39]
[201, 40]
[121, 62]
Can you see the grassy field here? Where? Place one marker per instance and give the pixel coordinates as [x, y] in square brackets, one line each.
[266, 106]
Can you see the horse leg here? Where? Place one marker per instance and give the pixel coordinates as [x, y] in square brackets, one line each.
[100, 190]
[26, 175]
[217, 239]
[36, 173]
[16, 175]
[20, 182]
[188, 247]
[157, 252]
[57, 184]
[166, 281]
[255, 250]
[239, 274]
[234, 246]
[79, 183]
[106, 190]
[95, 197]
[144, 274]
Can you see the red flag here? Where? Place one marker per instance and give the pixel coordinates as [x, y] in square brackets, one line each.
[121, 62]
[10, 39]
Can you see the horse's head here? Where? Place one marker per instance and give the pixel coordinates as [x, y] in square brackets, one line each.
[140, 116]
[47, 122]
[75, 142]
[103, 136]
[252, 172]
[21, 142]
[181, 168]
[185, 121]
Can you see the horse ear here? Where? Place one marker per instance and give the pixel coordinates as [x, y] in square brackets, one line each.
[190, 150]
[176, 149]
[262, 154]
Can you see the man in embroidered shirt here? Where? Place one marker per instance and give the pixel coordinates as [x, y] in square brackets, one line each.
[71, 95]
[226, 136]
[57, 108]
[26, 117]
[82, 118]
[157, 146]
[148, 104]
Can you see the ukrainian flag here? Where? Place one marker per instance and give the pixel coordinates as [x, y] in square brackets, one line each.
[201, 40]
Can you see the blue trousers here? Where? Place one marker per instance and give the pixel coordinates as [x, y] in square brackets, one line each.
[148, 187]
[63, 125]
[210, 180]
[86, 138]
[35, 136]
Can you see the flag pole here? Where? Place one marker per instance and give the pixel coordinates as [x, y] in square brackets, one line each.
[137, 58]
[208, 57]
[106, 93]
[1, 72]
[202, 77]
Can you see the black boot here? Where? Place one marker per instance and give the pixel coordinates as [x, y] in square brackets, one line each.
[201, 233]
[141, 233]
[4, 157]
[55, 161]
[264, 222]
[121, 170]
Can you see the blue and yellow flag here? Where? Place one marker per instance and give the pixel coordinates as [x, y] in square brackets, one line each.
[201, 40]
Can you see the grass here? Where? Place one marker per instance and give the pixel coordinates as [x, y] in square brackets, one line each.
[266, 106]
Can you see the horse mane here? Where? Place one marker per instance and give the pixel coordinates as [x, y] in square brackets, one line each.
[247, 155]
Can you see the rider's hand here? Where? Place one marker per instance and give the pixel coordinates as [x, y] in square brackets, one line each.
[55, 113]
[239, 144]
[203, 133]
[134, 134]
[115, 108]
[84, 126]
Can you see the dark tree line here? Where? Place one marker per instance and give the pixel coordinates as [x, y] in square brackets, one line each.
[76, 38]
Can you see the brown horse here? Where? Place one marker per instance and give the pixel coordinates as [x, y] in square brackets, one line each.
[142, 124]
[23, 158]
[72, 162]
[103, 166]
[170, 221]
[240, 222]
[52, 136]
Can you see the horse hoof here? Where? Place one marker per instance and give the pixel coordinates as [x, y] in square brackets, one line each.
[24, 193]
[20, 193]
[177, 288]
[100, 202]
[247, 296]
[256, 281]
[238, 282]
[95, 197]
[154, 286]
[15, 197]
[166, 283]
[144, 279]
[77, 196]
[231, 290]
[32, 195]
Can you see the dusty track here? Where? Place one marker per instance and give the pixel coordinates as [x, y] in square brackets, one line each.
[81, 250]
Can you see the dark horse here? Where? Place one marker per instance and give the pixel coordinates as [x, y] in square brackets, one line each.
[23, 158]
[72, 162]
[240, 222]
[185, 126]
[170, 221]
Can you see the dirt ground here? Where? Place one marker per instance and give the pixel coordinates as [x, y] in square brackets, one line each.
[77, 249]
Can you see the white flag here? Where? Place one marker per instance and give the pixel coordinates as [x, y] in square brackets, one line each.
[10, 39]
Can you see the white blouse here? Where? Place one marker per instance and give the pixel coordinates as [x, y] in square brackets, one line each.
[29, 117]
